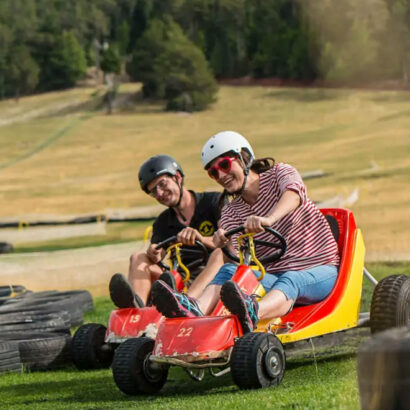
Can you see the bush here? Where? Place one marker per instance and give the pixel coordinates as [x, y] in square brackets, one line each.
[172, 68]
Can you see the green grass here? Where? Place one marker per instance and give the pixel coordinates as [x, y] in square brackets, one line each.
[327, 381]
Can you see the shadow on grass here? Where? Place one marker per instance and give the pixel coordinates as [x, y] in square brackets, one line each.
[336, 356]
[304, 95]
[80, 388]
[395, 116]
[402, 96]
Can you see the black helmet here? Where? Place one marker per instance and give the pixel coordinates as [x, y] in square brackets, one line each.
[156, 166]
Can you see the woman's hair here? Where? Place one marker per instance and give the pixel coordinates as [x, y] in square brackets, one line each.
[258, 166]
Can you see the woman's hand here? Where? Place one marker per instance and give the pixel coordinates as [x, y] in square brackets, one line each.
[219, 238]
[255, 223]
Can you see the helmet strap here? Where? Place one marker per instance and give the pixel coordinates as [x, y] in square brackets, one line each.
[177, 206]
[246, 169]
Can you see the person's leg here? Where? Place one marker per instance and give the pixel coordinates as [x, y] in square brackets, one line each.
[211, 295]
[213, 265]
[305, 287]
[142, 273]
[308, 286]
[173, 304]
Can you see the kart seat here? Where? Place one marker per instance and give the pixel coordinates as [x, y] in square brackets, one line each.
[343, 226]
[334, 226]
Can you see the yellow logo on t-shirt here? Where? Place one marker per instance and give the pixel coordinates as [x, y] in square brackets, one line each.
[206, 228]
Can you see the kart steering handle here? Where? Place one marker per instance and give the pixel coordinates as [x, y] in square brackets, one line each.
[267, 259]
[202, 252]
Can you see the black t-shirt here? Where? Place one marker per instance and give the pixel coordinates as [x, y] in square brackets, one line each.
[205, 218]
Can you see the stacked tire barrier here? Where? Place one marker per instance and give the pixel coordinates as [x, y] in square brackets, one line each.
[35, 327]
[384, 370]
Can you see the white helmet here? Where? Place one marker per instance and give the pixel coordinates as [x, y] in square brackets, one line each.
[222, 142]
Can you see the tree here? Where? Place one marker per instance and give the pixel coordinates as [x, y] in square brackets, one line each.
[110, 61]
[22, 71]
[67, 62]
[171, 67]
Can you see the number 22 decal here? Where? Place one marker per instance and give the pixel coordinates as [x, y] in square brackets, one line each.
[185, 332]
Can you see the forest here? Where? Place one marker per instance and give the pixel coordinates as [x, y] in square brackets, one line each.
[175, 46]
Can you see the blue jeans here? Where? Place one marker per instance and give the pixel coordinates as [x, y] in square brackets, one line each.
[304, 286]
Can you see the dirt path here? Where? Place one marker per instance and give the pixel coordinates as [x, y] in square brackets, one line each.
[86, 268]
[89, 268]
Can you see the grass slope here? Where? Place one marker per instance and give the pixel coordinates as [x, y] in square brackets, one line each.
[60, 156]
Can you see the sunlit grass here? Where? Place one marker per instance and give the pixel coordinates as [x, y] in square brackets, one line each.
[93, 165]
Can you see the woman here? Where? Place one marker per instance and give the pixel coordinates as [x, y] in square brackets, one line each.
[262, 193]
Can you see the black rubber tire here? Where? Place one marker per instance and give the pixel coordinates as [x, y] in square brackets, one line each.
[131, 370]
[81, 299]
[6, 247]
[30, 316]
[44, 324]
[8, 290]
[9, 358]
[88, 348]
[41, 351]
[32, 304]
[390, 306]
[383, 367]
[258, 360]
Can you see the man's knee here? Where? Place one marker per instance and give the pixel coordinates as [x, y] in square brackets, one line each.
[138, 259]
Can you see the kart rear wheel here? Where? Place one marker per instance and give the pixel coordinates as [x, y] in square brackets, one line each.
[258, 360]
[132, 370]
[390, 305]
[88, 349]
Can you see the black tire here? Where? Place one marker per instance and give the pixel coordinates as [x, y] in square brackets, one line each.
[81, 299]
[383, 367]
[132, 371]
[258, 360]
[6, 247]
[390, 305]
[41, 351]
[29, 316]
[88, 348]
[12, 289]
[44, 324]
[33, 304]
[9, 358]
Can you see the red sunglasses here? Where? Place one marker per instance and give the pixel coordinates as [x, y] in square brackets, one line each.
[224, 164]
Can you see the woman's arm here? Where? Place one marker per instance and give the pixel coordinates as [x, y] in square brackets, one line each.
[287, 203]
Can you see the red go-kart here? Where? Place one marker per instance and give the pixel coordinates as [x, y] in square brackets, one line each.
[93, 344]
[257, 359]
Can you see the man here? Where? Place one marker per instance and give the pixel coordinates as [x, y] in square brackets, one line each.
[191, 216]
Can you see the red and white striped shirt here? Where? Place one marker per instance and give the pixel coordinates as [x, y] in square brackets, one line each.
[309, 239]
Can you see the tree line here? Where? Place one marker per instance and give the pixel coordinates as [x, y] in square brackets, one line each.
[178, 47]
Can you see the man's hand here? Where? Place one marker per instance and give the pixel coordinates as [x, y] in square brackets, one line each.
[154, 254]
[188, 236]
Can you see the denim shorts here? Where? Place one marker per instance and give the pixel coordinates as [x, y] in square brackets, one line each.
[304, 286]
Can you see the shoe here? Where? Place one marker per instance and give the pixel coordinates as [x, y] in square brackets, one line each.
[238, 303]
[122, 294]
[169, 279]
[173, 304]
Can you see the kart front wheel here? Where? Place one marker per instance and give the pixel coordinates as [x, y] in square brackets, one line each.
[390, 305]
[258, 360]
[132, 370]
[88, 349]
